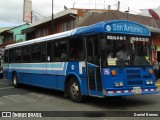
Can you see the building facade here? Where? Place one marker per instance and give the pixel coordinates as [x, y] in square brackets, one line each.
[63, 21]
[10, 36]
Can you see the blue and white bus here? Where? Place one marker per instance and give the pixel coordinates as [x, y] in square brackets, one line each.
[85, 61]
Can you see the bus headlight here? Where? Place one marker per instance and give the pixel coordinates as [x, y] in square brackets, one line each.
[150, 71]
[121, 84]
[149, 82]
[118, 84]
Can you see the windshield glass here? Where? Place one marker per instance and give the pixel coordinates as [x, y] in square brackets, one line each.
[125, 51]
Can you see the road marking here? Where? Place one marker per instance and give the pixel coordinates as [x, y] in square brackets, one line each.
[20, 98]
[6, 88]
[11, 97]
[1, 103]
[3, 83]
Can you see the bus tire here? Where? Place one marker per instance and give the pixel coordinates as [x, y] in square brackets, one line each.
[15, 81]
[74, 90]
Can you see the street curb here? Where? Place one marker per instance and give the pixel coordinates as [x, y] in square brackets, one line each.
[158, 85]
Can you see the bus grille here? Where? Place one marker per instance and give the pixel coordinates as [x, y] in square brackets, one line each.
[133, 77]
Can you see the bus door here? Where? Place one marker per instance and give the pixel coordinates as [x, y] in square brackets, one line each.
[93, 66]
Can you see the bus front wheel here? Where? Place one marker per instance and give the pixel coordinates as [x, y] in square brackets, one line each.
[74, 90]
[15, 80]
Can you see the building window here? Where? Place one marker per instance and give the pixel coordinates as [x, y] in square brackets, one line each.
[68, 25]
[41, 32]
[64, 27]
[73, 24]
[38, 33]
[45, 31]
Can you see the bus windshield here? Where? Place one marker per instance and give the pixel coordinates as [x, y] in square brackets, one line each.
[125, 51]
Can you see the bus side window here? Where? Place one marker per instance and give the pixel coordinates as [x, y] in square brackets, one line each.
[6, 56]
[60, 51]
[43, 52]
[73, 53]
[26, 51]
[76, 49]
[56, 51]
[11, 56]
[49, 51]
[18, 55]
[63, 51]
[36, 53]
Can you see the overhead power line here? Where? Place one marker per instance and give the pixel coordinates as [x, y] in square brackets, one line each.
[37, 16]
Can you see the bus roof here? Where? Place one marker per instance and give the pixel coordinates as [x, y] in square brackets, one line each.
[124, 27]
[41, 39]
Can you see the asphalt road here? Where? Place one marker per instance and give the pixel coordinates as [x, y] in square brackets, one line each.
[28, 98]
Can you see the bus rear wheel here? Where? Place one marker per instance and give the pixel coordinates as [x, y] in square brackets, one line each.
[74, 90]
[15, 80]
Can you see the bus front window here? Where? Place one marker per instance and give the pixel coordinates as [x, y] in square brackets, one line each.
[140, 52]
[115, 51]
[125, 51]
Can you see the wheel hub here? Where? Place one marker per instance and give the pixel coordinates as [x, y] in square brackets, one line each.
[74, 90]
[14, 81]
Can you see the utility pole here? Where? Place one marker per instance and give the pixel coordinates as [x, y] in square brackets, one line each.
[109, 7]
[52, 17]
[118, 6]
[127, 11]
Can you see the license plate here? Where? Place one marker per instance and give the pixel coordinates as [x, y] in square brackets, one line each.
[137, 90]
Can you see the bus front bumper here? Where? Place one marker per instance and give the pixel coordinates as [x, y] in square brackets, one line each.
[128, 92]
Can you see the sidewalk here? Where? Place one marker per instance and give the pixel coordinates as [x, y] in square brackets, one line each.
[158, 82]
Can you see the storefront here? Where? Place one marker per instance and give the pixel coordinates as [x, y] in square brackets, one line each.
[156, 52]
[155, 37]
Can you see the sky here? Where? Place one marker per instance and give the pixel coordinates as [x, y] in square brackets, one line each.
[11, 11]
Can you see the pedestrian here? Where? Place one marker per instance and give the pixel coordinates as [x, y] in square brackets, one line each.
[156, 68]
